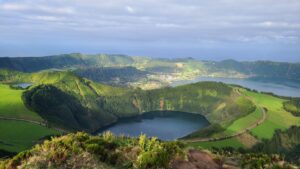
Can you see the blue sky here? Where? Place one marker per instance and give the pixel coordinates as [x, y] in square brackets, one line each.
[204, 29]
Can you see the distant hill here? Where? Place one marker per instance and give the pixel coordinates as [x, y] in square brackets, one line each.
[226, 68]
[112, 75]
[32, 64]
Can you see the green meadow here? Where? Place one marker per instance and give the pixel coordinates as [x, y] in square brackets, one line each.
[277, 117]
[17, 136]
[244, 122]
[12, 106]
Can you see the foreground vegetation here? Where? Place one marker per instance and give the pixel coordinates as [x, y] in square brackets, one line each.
[81, 150]
[106, 151]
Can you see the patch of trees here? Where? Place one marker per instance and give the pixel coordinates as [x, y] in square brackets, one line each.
[286, 143]
[293, 106]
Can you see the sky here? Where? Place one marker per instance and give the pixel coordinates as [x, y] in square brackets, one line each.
[203, 29]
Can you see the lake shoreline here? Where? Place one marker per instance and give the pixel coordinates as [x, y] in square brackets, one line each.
[154, 115]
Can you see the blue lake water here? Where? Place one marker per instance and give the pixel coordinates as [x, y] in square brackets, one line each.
[167, 127]
[276, 86]
[22, 85]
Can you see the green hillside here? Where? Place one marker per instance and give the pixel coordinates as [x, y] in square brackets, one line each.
[101, 105]
[98, 105]
[277, 120]
[277, 117]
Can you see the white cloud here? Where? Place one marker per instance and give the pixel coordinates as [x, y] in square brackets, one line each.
[57, 10]
[46, 18]
[36, 7]
[168, 25]
[270, 24]
[130, 9]
[13, 6]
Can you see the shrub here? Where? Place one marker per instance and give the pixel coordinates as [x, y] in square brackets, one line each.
[108, 136]
[15, 161]
[156, 154]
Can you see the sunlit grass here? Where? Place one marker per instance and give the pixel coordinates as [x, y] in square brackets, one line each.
[11, 104]
[277, 117]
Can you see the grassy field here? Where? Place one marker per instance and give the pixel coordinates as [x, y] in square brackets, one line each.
[11, 104]
[277, 117]
[244, 122]
[17, 136]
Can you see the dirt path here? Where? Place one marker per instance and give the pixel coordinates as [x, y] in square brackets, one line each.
[33, 122]
[259, 122]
